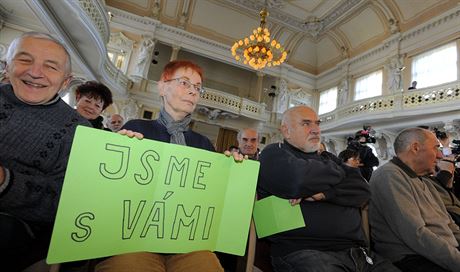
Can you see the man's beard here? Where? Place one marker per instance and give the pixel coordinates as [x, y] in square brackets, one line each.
[312, 147]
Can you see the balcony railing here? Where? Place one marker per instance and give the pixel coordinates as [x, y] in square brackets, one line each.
[433, 99]
[225, 102]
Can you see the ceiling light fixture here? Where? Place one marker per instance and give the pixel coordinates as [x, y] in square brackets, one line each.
[259, 50]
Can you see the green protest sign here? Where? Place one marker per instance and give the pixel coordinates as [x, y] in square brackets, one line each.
[125, 195]
[273, 215]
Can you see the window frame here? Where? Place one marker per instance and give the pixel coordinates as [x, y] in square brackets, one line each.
[326, 93]
[364, 77]
[435, 69]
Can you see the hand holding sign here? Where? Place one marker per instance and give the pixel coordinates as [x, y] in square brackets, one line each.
[131, 134]
[150, 196]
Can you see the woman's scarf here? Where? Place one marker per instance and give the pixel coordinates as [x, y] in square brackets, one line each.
[175, 128]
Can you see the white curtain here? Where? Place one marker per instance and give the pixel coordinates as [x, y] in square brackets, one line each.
[369, 85]
[327, 100]
[436, 66]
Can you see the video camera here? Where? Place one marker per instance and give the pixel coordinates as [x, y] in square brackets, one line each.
[367, 133]
[441, 135]
[456, 149]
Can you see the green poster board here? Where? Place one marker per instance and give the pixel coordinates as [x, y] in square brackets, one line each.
[125, 195]
[273, 215]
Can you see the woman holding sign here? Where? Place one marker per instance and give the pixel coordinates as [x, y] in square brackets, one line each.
[180, 87]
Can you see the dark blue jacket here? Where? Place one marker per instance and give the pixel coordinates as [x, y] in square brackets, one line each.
[153, 130]
[331, 224]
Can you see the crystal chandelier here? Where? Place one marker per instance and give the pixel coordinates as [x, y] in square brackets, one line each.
[259, 50]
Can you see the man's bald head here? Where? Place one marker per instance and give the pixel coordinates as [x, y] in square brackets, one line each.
[418, 148]
[300, 128]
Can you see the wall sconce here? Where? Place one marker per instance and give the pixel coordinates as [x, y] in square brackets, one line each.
[273, 91]
[155, 57]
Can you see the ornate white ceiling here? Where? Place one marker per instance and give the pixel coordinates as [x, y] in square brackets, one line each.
[318, 33]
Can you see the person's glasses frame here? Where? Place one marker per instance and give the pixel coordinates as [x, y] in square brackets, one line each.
[187, 84]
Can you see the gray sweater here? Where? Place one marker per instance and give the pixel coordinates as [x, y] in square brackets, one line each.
[35, 143]
[407, 216]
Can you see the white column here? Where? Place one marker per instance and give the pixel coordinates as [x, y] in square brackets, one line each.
[260, 79]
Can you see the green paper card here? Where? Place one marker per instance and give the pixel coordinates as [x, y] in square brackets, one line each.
[273, 215]
[125, 195]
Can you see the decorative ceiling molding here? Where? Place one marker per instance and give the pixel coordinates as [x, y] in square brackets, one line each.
[388, 44]
[446, 18]
[315, 28]
[200, 45]
[121, 41]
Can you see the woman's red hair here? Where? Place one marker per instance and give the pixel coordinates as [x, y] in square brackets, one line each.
[173, 66]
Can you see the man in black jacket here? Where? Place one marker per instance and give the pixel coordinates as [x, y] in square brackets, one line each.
[367, 157]
[330, 195]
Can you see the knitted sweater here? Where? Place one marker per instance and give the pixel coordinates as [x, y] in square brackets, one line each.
[35, 143]
[407, 216]
[331, 224]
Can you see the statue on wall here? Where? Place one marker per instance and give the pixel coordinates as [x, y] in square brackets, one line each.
[283, 96]
[394, 69]
[156, 10]
[394, 25]
[183, 20]
[343, 92]
[130, 110]
[344, 52]
[144, 56]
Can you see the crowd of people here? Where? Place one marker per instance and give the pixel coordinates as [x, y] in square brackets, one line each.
[413, 215]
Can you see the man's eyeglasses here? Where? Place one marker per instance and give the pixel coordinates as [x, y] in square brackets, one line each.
[187, 84]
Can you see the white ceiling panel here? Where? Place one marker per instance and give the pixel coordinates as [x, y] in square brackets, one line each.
[362, 27]
[141, 3]
[411, 8]
[171, 7]
[223, 20]
[326, 51]
[305, 53]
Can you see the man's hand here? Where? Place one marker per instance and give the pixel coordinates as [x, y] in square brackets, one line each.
[447, 164]
[294, 202]
[316, 197]
[236, 156]
[131, 134]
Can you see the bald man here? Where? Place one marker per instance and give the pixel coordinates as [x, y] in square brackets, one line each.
[330, 195]
[410, 224]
